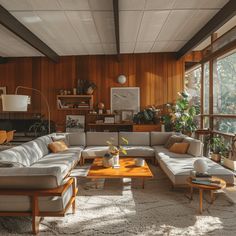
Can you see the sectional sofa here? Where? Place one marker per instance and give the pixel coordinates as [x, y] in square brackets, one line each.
[37, 183]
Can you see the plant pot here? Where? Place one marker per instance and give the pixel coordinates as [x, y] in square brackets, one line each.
[215, 157]
[231, 164]
[108, 161]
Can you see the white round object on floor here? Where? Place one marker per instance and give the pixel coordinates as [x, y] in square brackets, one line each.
[200, 166]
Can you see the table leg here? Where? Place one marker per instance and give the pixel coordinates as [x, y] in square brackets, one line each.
[191, 193]
[212, 196]
[200, 200]
[143, 183]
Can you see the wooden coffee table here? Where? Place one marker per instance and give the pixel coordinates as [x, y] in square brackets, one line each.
[127, 169]
[201, 187]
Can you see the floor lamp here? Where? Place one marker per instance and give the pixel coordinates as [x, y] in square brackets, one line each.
[17, 102]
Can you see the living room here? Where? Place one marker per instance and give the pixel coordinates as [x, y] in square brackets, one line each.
[117, 117]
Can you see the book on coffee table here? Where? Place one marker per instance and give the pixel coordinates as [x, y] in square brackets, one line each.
[206, 182]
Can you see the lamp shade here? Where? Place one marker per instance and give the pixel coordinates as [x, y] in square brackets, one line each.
[14, 102]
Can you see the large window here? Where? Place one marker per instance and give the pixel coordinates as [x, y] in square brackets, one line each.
[224, 85]
[206, 88]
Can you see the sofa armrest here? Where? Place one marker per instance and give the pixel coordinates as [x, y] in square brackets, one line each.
[30, 178]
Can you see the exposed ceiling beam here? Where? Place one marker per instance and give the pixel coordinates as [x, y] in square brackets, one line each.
[221, 17]
[3, 60]
[117, 31]
[15, 26]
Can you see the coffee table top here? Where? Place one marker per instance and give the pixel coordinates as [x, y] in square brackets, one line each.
[127, 169]
[221, 185]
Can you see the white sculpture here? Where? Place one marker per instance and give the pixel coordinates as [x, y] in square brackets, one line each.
[200, 166]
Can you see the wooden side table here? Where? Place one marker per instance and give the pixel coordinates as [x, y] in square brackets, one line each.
[202, 187]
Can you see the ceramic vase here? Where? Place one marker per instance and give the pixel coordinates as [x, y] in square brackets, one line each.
[108, 161]
[116, 160]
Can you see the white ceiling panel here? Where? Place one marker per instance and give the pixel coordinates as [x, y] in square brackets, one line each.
[69, 49]
[39, 5]
[109, 48]
[129, 25]
[143, 47]
[94, 48]
[151, 25]
[16, 5]
[159, 4]
[101, 5]
[127, 47]
[202, 4]
[131, 5]
[104, 21]
[167, 46]
[13, 46]
[80, 5]
[84, 25]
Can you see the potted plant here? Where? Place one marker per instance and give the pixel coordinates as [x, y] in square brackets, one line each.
[230, 161]
[217, 148]
[147, 116]
[182, 115]
[111, 158]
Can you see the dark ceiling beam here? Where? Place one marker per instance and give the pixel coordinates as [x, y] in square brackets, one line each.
[16, 27]
[117, 31]
[221, 17]
[3, 60]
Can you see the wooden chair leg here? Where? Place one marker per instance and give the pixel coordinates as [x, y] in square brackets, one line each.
[81, 161]
[35, 215]
[74, 187]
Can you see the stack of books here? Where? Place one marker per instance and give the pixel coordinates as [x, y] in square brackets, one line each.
[204, 179]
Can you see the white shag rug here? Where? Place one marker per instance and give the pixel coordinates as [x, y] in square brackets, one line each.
[122, 207]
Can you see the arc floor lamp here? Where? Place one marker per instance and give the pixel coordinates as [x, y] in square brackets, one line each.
[17, 102]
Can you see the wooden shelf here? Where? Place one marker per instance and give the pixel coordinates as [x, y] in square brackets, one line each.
[113, 124]
[74, 101]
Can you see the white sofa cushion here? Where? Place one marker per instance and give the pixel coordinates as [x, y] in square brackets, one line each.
[76, 139]
[178, 169]
[195, 146]
[160, 138]
[135, 138]
[101, 138]
[139, 151]
[94, 151]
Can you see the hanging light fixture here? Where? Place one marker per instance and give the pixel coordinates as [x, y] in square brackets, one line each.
[121, 79]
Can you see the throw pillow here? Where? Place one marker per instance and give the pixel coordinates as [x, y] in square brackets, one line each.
[61, 137]
[180, 148]
[173, 139]
[58, 146]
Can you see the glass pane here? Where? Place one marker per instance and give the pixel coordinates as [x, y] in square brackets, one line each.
[226, 125]
[225, 85]
[206, 89]
[193, 85]
[206, 123]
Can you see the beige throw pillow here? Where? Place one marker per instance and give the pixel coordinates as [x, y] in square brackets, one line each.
[180, 148]
[173, 139]
[58, 146]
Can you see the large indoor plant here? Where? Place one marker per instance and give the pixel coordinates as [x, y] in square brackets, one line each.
[147, 116]
[181, 115]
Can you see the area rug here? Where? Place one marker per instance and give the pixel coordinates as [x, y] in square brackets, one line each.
[122, 207]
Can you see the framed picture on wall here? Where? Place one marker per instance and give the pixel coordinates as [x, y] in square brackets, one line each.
[125, 98]
[75, 123]
[127, 115]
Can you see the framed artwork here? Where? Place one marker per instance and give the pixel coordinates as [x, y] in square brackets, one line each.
[75, 123]
[125, 98]
[127, 115]
[3, 90]
[109, 120]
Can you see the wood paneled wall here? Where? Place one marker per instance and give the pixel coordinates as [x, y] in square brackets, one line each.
[158, 75]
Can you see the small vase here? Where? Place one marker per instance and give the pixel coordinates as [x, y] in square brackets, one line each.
[108, 161]
[116, 160]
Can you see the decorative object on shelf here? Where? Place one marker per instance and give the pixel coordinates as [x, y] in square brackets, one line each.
[230, 162]
[127, 115]
[200, 166]
[182, 115]
[90, 87]
[121, 79]
[108, 112]
[3, 90]
[16, 102]
[101, 107]
[85, 87]
[75, 123]
[74, 91]
[139, 162]
[147, 116]
[115, 151]
[109, 120]
[125, 98]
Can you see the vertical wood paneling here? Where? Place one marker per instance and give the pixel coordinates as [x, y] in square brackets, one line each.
[158, 75]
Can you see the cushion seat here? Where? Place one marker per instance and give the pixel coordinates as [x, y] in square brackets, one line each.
[94, 151]
[139, 151]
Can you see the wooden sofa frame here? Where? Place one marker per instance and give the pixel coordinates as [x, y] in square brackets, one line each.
[34, 194]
